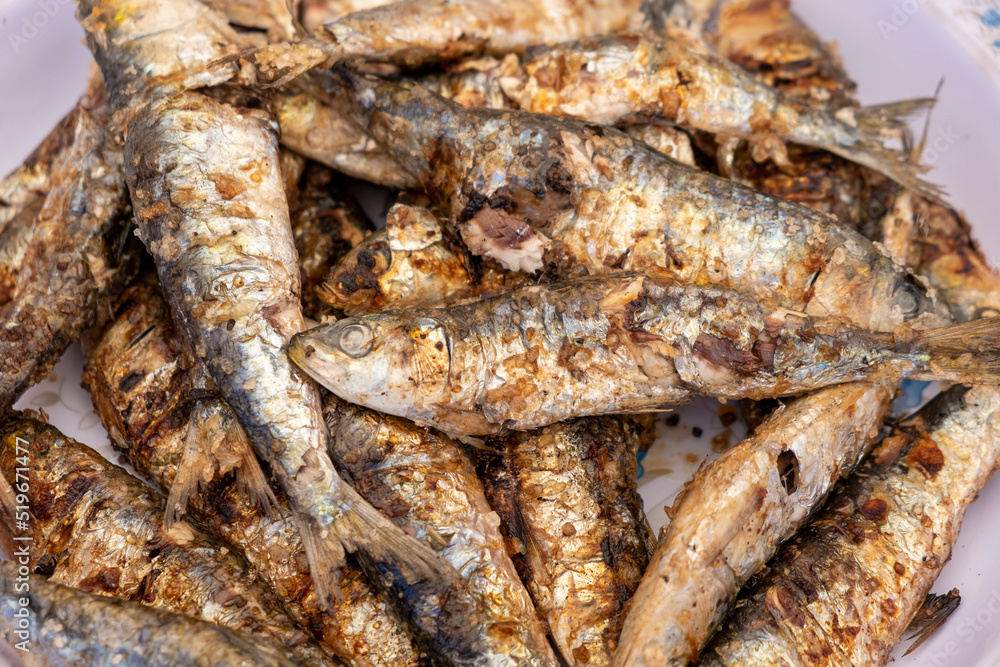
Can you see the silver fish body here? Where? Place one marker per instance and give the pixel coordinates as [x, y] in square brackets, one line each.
[605, 345]
[538, 191]
[69, 627]
[574, 522]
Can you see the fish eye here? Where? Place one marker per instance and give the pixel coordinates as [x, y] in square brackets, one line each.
[376, 258]
[908, 298]
[354, 338]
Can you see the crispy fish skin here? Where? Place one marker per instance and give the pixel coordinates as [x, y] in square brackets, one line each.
[210, 207]
[726, 523]
[97, 528]
[147, 388]
[428, 485]
[621, 79]
[74, 256]
[70, 627]
[844, 590]
[412, 33]
[571, 515]
[610, 344]
[765, 38]
[326, 223]
[561, 193]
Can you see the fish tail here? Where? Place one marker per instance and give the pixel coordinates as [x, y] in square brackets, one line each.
[968, 353]
[250, 479]
[393, 559]
[881, 122]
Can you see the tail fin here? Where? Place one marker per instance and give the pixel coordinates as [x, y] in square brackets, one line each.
[968, 353]
[213, 449]
[414, 568]
[876, 124]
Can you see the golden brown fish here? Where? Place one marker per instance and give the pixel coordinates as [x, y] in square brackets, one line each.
[574, 522]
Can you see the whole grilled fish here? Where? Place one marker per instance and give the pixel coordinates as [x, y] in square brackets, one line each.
[427, 484]
[610, 344]
[210, 207]
[538, 191]
[621, 79]
[71, 628]
[417, 32]
[326, 224]
[571, 516]
[156, 401]
[845, 589]
[735, 512]
[97, 528]
[62, 252]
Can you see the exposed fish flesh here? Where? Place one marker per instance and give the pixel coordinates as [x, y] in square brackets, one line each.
[70, 627]
[574, 522]
[609, 344]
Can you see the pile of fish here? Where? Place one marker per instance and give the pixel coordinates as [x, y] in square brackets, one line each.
[417, 445]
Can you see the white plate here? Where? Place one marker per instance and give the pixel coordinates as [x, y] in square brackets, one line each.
[43, 67]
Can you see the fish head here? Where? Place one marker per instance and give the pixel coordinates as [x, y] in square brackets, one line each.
[355, 284]
[918, 303]
[409, 263]
[394, 362]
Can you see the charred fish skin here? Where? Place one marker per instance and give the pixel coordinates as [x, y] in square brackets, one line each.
[412, 262]
[211, 209]
[573, 194]
[147, 389]
[427, 484]
[812, 601]
[99, 529]
[75, 255]
[571, 515]
[728, 523]
[73, 627]
[609, 344]
[766, 39]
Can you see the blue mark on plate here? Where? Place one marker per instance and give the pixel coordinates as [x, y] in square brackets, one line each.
[997, 43]
[991, 19]
[639, 456]
[639, 471]
[912, 397]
